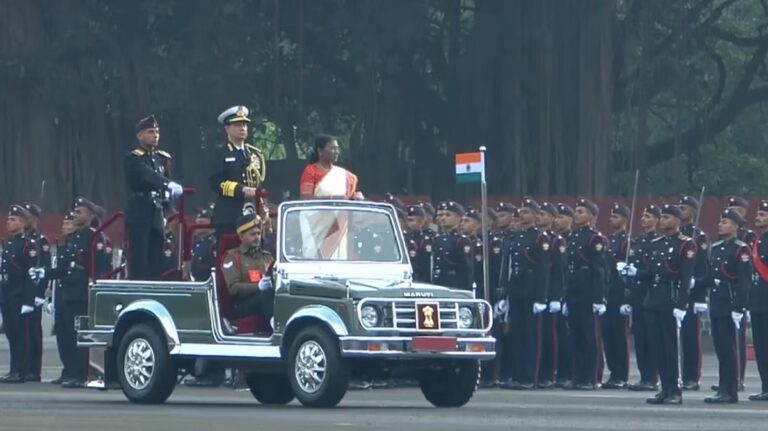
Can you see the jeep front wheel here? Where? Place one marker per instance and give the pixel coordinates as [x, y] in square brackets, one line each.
[452, 386]
[315, 369]
[144, 368]
[270, 389]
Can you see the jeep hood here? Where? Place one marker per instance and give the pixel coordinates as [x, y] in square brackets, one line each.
[360, 288]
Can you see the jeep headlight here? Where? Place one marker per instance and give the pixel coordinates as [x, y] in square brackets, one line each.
[465, 318]
[369, 315]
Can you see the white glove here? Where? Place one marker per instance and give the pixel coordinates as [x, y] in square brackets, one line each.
[500, 309]
[737, 316]
[598, 309]
[565, 310]
[700, 307]
[555, 307]
[538, 307]
[176, 189]
[717, 281]
[693, 282]
[49, 308]
[36, 273]
[265, 284]
[625, 310]
[39, 301]
[620, 266]
[26, 309]
[628, 271]
[679, 316]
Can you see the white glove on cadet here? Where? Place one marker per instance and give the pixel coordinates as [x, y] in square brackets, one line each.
[700, 307]
[538, 307]
[265, 284]
[500, 309]
[36, 273]
[39, 301]
[679, 316]
[598, 309]
[176, 189]
[625, 310]
[736, 316]
[627, 270]
[26, 309]
[555, 307]
[564, 310]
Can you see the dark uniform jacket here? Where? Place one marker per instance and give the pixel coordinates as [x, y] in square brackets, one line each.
[148, 174]
[495, 254]
[586, 266]
[203, 257]
[73, 264]
[617, 252]
[43, 259]
[701, 266]
[640, 257]
[525, 266]
[758, 294]
[227, 179]
[19, 254]
[670, 269]
[558, 249]
[452, 260]
[731, 277]
[419, 245]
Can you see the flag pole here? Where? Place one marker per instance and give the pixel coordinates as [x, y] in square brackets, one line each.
[484, 224]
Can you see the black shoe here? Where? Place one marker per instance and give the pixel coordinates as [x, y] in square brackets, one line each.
[584, 387]
[72, 384]
[657, 399]
[561, 383]
[12, 378]
[673, 399]
[615, 384]
[509, 384]
[202, 383]
[31, 377]
[721, 399]
[545, 384]
[522, 387]
[740, 387]
[568, 385]
[643, 386]
[762, 396]
[359, 385]
[57, 381]
[691, 386]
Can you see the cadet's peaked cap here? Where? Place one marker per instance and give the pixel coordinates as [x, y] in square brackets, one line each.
[206, 211]
[734, 217]
[147, 123]
[473, 213]
[689, 201]
[549, 208]
[33, 209]
[416, 211]
[588, 204]
[564, 209]
[672, 210]
[621, 210]
[70, 215]
[653, 210]
[529, 203]
[85, 203]
[763, 206]
[394, 201]
[235, 114]
[19, 211]
[505, 207]
[247, 222]
[737, 201]
[428, 208]
[451, 206]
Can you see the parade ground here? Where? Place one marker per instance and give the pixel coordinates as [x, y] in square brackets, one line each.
[42, 406]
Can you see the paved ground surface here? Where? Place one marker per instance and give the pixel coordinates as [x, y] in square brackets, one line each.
[41, 406]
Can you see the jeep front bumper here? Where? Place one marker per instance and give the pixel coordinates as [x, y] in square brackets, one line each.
[419, 347]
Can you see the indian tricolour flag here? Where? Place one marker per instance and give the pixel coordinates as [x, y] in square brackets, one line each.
[470, 167]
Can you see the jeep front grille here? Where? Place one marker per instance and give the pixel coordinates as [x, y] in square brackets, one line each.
[400, 314]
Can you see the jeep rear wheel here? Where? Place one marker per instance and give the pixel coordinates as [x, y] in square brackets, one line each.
[270, 389]
[452, 386]
[315, 369]
[144, 368]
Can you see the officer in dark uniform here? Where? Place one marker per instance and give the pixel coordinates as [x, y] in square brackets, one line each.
[417, 237]
[729, 286]
[237, 172]
[73, 268]
[758, 300]
[747, 236]
[691, 329]
[18, 292]
[671, 272]
[615, 324]
[203, 247]
[562, 226]
[525, 278]
[148, 173]
[43, 259]
[452, 252]
[640, 257]
[558, 248]
[67, 228]
[472, 228]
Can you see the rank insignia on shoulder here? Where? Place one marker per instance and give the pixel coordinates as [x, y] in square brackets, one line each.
[745, 257]
[138, 152]
[690, 254]
[545, 246]
[164, 153]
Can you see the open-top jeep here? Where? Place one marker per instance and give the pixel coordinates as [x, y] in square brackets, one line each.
[346, 307]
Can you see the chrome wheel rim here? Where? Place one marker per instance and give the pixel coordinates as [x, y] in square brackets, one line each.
[139, 364]
[310, 367]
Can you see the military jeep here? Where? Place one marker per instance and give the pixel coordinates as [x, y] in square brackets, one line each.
[345, 308]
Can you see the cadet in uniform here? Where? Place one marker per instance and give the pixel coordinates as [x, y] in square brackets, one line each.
[729, 286]
[472, 228]
[585, 293]
[18, 292]
[562, 226]
[615, 325]
[418, 239]
[557, 247]
[245, 271]
[67, 228]
[148, 176]
[691, 329]
[452, 252]
[35, 318]
[671, 271]
[640, 258]
[525, 278]
[239, 169]
[204, 247]
[758, 300]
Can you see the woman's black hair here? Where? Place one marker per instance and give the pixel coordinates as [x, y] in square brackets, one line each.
[320, 142]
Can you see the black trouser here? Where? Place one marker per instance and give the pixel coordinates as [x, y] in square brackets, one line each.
[548, 362]
[614, 328]
[662, 330]
[145, 261]
[17, 333]
[35, 328]
[724, 338]
[61, 340]
[643, 349]
[564, 356]
[742, 346]
[760, 341]
[584, 327]
[75, 358]
[260, 303]
[526, 340]
[489, 370]
[691, 342]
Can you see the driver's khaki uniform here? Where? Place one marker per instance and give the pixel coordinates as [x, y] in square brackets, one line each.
[243, 269]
